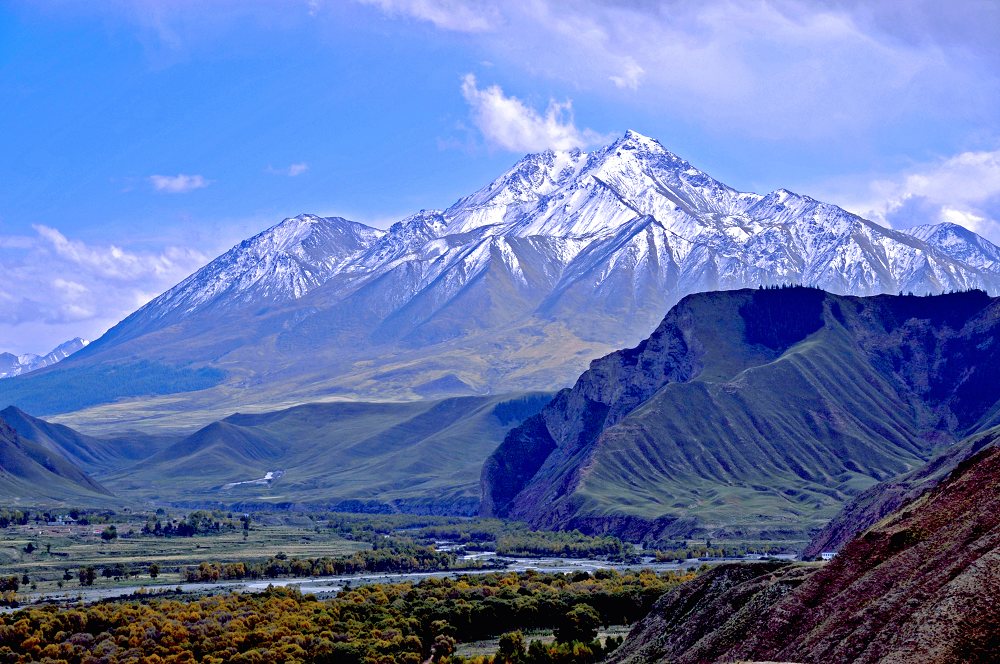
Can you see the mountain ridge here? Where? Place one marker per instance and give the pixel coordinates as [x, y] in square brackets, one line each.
[15, 365]
[33, 472]
[878, 384]
[564, 257]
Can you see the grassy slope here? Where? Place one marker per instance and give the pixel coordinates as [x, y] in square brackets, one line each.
[91, 453]
[427, 453]
[31, 475]
[767, 435]
[870, 506]
[789, 426]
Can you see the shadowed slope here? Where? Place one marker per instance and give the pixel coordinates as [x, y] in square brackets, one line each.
[32, 474]
[89, 452]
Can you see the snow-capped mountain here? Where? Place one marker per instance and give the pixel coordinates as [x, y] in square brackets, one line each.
[282, 263]
[560, 220]
[564, 257]
[14, 365]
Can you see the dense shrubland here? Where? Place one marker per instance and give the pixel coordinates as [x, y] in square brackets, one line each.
[394, 558]
[392, 623]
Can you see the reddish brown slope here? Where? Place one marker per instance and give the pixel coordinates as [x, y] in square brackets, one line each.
[922, 586]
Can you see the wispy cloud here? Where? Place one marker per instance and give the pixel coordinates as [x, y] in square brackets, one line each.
[178, 184]
[53, 287]
[454, 15]
[790, 69]
[509, 123]
[291, 171]
[962, 189]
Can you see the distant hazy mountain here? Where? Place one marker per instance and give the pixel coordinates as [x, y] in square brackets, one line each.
[563, 258]
[753, 412]
[15, 365]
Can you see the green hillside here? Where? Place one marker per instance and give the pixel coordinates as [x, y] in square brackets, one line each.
[417, 456]
[91, 453]
[753, 413]
[31, 474]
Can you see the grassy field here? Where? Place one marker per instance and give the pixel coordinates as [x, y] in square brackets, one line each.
[58, 549]
[421, 456]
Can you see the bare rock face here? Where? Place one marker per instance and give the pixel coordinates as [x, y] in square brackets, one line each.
[765, 408]
[706, 617]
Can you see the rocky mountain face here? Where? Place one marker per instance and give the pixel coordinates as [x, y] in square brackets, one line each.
[14, 365]
[753, 413]
[920, 586]
[565, 257]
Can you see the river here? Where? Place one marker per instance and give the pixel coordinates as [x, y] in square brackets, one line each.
[331, 585]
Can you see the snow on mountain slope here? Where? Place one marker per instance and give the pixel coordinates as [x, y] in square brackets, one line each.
[565, 256]
[959, 243]
[279, 264]
[561, 222]
[14, 365]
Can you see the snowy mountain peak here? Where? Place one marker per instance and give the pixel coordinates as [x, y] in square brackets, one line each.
[959, 243]
[16, 365]
[568, 254]
[633, 140]
[282, 263]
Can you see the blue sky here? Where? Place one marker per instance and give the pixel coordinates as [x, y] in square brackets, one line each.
[139, 139]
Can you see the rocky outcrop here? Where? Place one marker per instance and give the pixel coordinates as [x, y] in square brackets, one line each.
[703, 619]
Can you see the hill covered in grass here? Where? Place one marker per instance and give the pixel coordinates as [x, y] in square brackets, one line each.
[372, 457]
[31, 473]
[753, 412]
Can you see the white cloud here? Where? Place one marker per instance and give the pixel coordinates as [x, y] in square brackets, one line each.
[630, 76]
[453, 15]
[291, 171]
[509, 123]
[963, 189]
[53, 287]
[784, 69]
[178, 184]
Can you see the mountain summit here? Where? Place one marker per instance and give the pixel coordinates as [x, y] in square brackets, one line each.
[565, 257]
